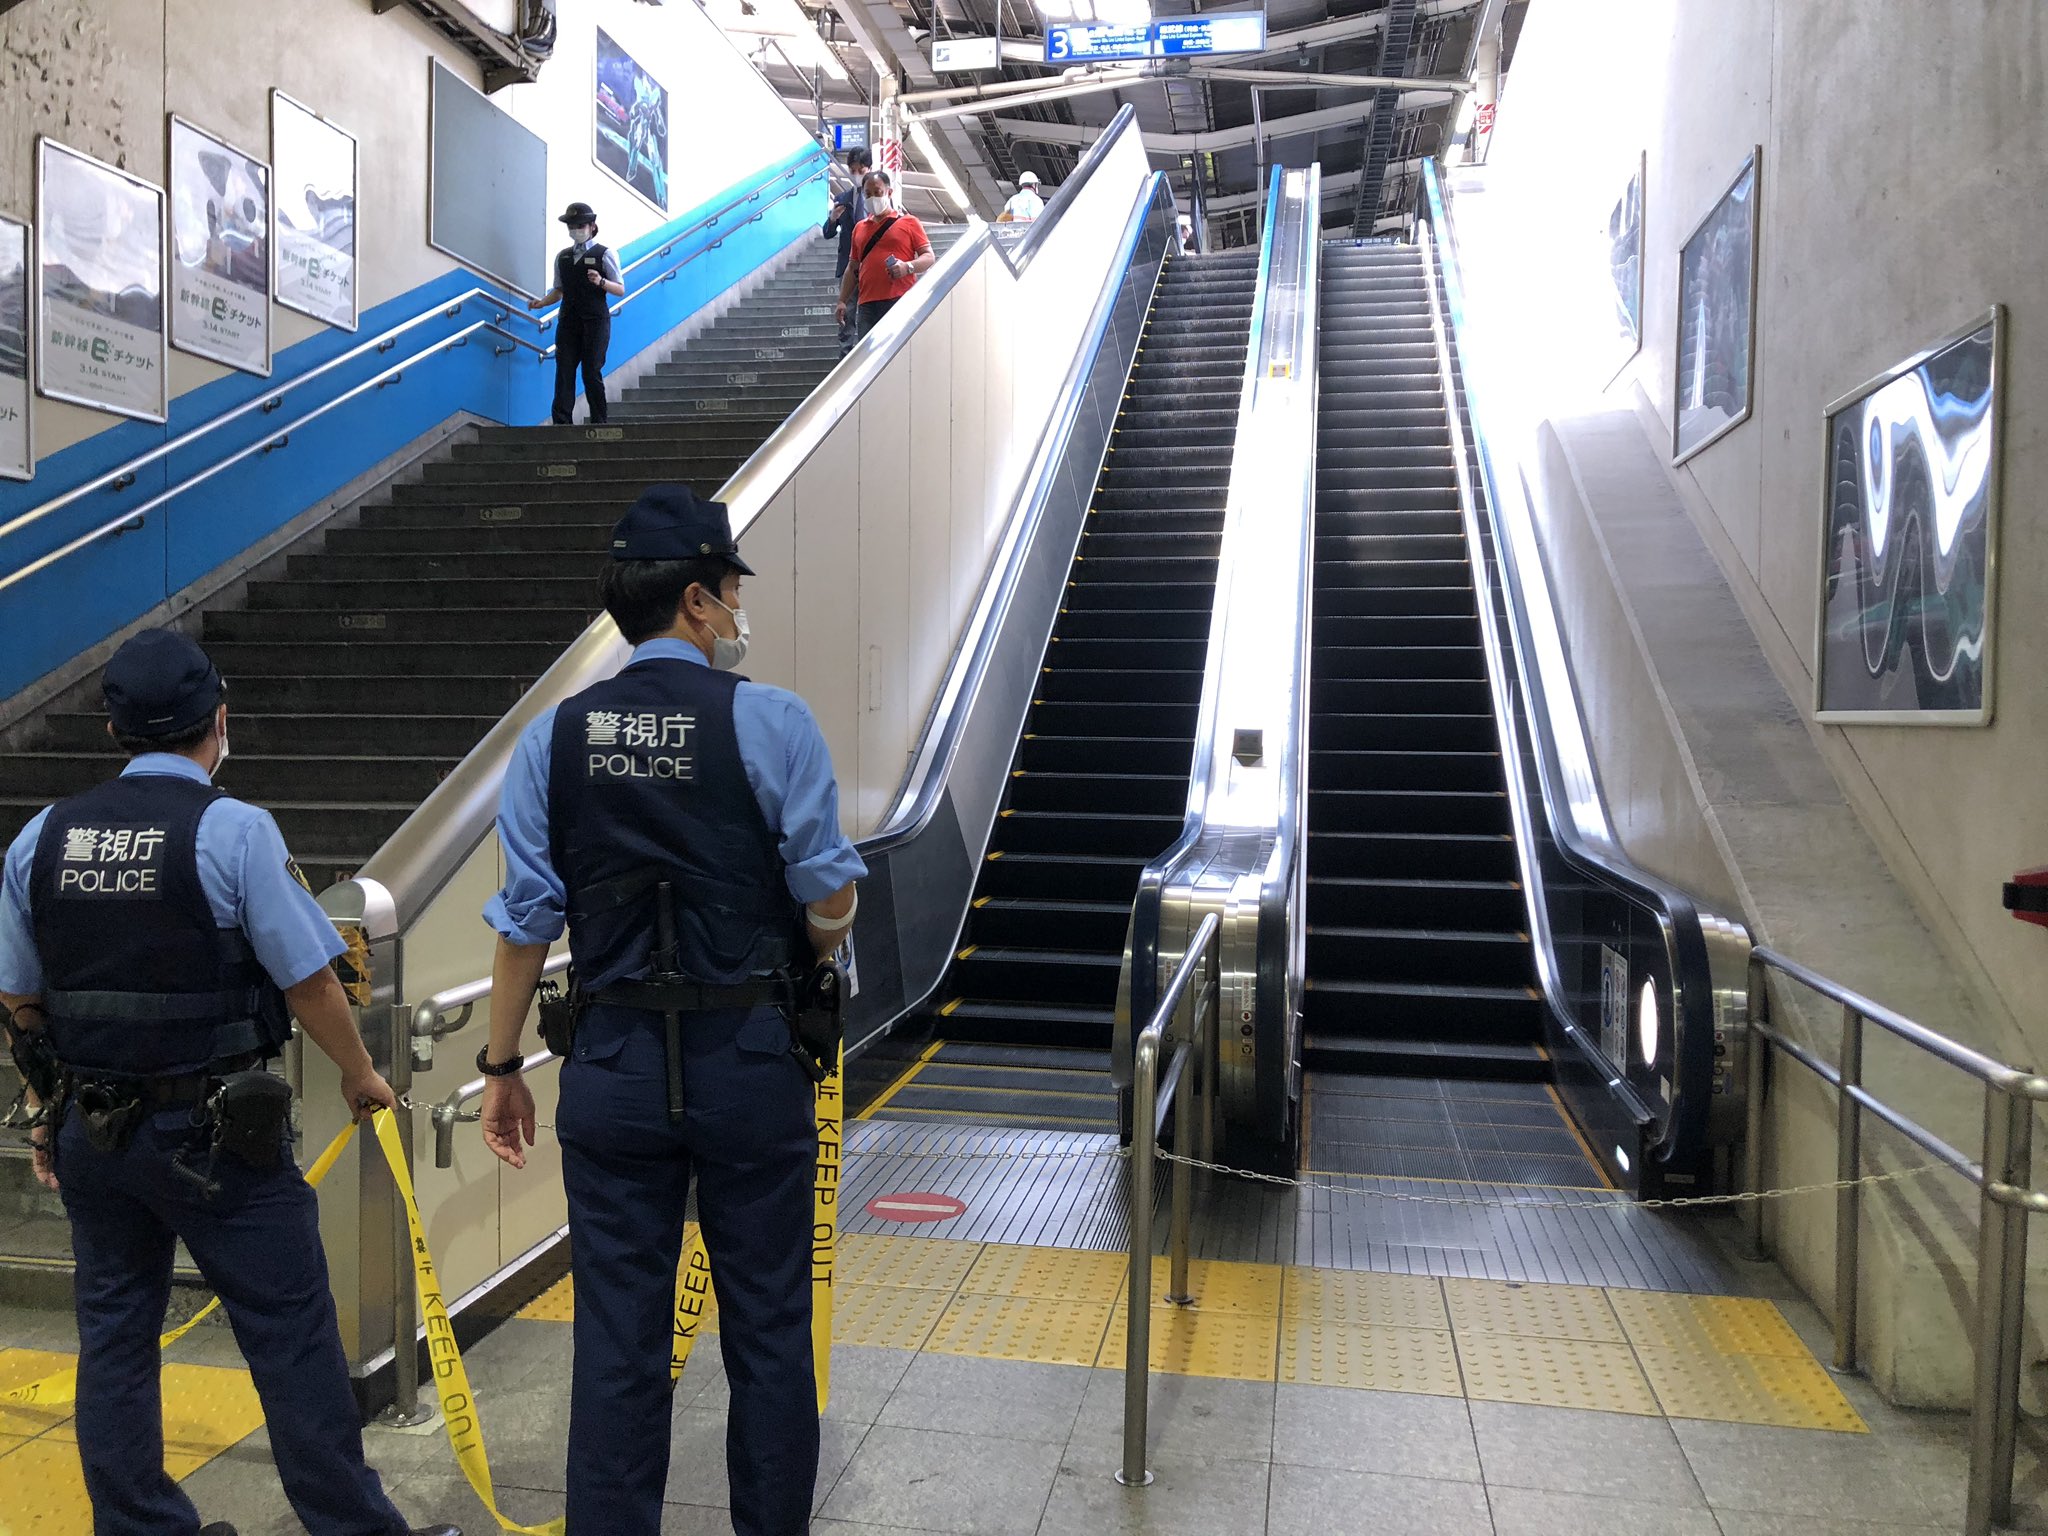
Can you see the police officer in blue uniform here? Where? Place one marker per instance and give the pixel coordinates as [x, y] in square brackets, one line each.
[676, 773]
[586, 280]
[155, 936]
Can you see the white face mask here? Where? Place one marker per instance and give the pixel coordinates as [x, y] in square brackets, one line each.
[727, 654]
[580, 237]
[223, 750]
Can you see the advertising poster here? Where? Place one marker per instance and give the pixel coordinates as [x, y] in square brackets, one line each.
[1625, 266]
[1912, 478]
[315, 167]
[220, 250]
[101, 301]
[631, 113]
[17, 449]
[1716, 318]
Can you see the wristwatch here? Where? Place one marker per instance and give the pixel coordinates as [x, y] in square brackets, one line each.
[485, 1065]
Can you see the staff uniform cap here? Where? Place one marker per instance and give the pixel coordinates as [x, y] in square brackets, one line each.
[160, 683]
[579, 213]
[672, 522]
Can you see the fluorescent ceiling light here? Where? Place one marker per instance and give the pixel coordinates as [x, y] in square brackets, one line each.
[928, 151]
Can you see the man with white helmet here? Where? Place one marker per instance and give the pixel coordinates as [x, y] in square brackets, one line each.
[1027, 204]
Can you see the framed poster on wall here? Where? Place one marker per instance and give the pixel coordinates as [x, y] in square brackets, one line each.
[630, 111]
[220, 250]
[100, 285]
[17, 439]
[1716, 348]
[1909, 539]
[315, 167]
[1625, 266]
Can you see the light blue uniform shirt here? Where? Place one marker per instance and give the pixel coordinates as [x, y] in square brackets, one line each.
[243, 868]
[787, 764]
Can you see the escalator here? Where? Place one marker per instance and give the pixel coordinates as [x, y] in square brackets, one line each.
[1423, 1044]
[1018, 1032]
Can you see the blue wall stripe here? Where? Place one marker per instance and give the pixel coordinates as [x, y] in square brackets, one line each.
[93, 593]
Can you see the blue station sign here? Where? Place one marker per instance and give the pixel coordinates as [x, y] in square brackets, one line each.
[1165, 37]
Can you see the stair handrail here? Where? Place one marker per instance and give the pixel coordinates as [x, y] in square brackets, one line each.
[1239, 853]
[122, 475]
[1708, 952]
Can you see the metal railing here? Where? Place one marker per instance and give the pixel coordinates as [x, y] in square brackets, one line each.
[430, 1021]
[123, 475]
[1153, 1098]
[2004, 1179]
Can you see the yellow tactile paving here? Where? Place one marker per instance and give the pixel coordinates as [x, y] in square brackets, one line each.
[9, 1442]
[556, 1304]
[1021, 1328]
[1237, 1346]
[19, 1367]
[46, 1490]
[1735, 1325]
[1733, 1359]
[892, 1316]
[207, 1409]
[1356, 1298]
[1554, 1373]
[1048, 1274]
[1538, 1311]
[1748, 1389]
[918, 1263]
[1220, 1286]
[1381, 1359]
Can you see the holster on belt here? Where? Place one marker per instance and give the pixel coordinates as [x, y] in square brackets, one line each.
[250, 1113]
[561, 1010]
[818, 1019]
[110, 1110]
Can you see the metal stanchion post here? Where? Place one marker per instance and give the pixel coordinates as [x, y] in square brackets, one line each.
[2001, 1284]
[1183, 1213]
[1849, 1198]
[405, 1410]
[1212, 1050]
[1753, 1109]
[1138, 1336]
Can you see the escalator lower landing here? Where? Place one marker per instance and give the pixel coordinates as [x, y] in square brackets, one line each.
[1099, 782]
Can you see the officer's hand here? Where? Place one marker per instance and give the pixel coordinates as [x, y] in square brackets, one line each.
[39, 1155]
[596, 277]
[508, 1118]
[365, 1093]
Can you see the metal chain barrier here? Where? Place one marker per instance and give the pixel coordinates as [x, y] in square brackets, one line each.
[1616, 1198]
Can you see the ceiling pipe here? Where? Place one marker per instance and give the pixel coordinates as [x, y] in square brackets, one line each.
[1022, 99]
[1210, 139]
[1280, 79]
[1012, 87]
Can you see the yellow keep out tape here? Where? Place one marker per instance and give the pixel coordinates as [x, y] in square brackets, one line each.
[693, 1277]
[451, 1380]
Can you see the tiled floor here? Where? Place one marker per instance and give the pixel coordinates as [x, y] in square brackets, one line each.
[922, 1440]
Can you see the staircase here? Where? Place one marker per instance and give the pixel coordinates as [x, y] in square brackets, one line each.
[384, 652]
[1418, 964]
[1025, 1014]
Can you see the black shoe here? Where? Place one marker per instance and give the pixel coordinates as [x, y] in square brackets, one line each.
[418, 1530]
[218, 1528]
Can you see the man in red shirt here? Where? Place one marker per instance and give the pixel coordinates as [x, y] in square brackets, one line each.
[890, 249]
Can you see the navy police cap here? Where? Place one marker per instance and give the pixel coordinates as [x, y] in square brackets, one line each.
[160, 683]
[672, 522]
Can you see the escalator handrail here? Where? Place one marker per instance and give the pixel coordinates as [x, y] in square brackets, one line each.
[1068, 193]
[398, 881]
[270, 399]
[1576, 816]
[1162, 872]
[918, 799]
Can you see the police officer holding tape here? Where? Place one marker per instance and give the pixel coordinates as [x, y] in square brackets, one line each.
[155, 938]
[684, 824]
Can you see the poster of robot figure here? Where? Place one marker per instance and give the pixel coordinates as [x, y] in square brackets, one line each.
[631, 112]
[17, 449]
[100, 307]
[1910, 539]
[1625, 266]
[220, 250]
[315, 165]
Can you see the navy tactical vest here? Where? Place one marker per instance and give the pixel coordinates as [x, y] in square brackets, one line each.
[580, 297]
[137, 978]
[645, 785]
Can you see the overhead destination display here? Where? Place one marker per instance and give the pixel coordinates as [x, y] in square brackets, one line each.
[1165, 37]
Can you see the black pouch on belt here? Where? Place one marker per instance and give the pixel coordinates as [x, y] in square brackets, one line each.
[818, 1023]
[111, 1111]
[561, 1007]
[251, 1111]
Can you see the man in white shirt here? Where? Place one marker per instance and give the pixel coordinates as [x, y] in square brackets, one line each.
[1027, 204]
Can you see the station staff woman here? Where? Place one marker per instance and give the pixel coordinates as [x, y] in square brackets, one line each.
[153, 931]
[675, 769]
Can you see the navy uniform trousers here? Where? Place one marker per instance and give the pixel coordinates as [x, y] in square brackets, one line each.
[257, 1242]
[749, 1133]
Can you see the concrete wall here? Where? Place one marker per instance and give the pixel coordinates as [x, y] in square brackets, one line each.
[1904, 191]
[103, 77]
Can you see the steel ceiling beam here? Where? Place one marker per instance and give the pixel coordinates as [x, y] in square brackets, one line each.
[1221, 138]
